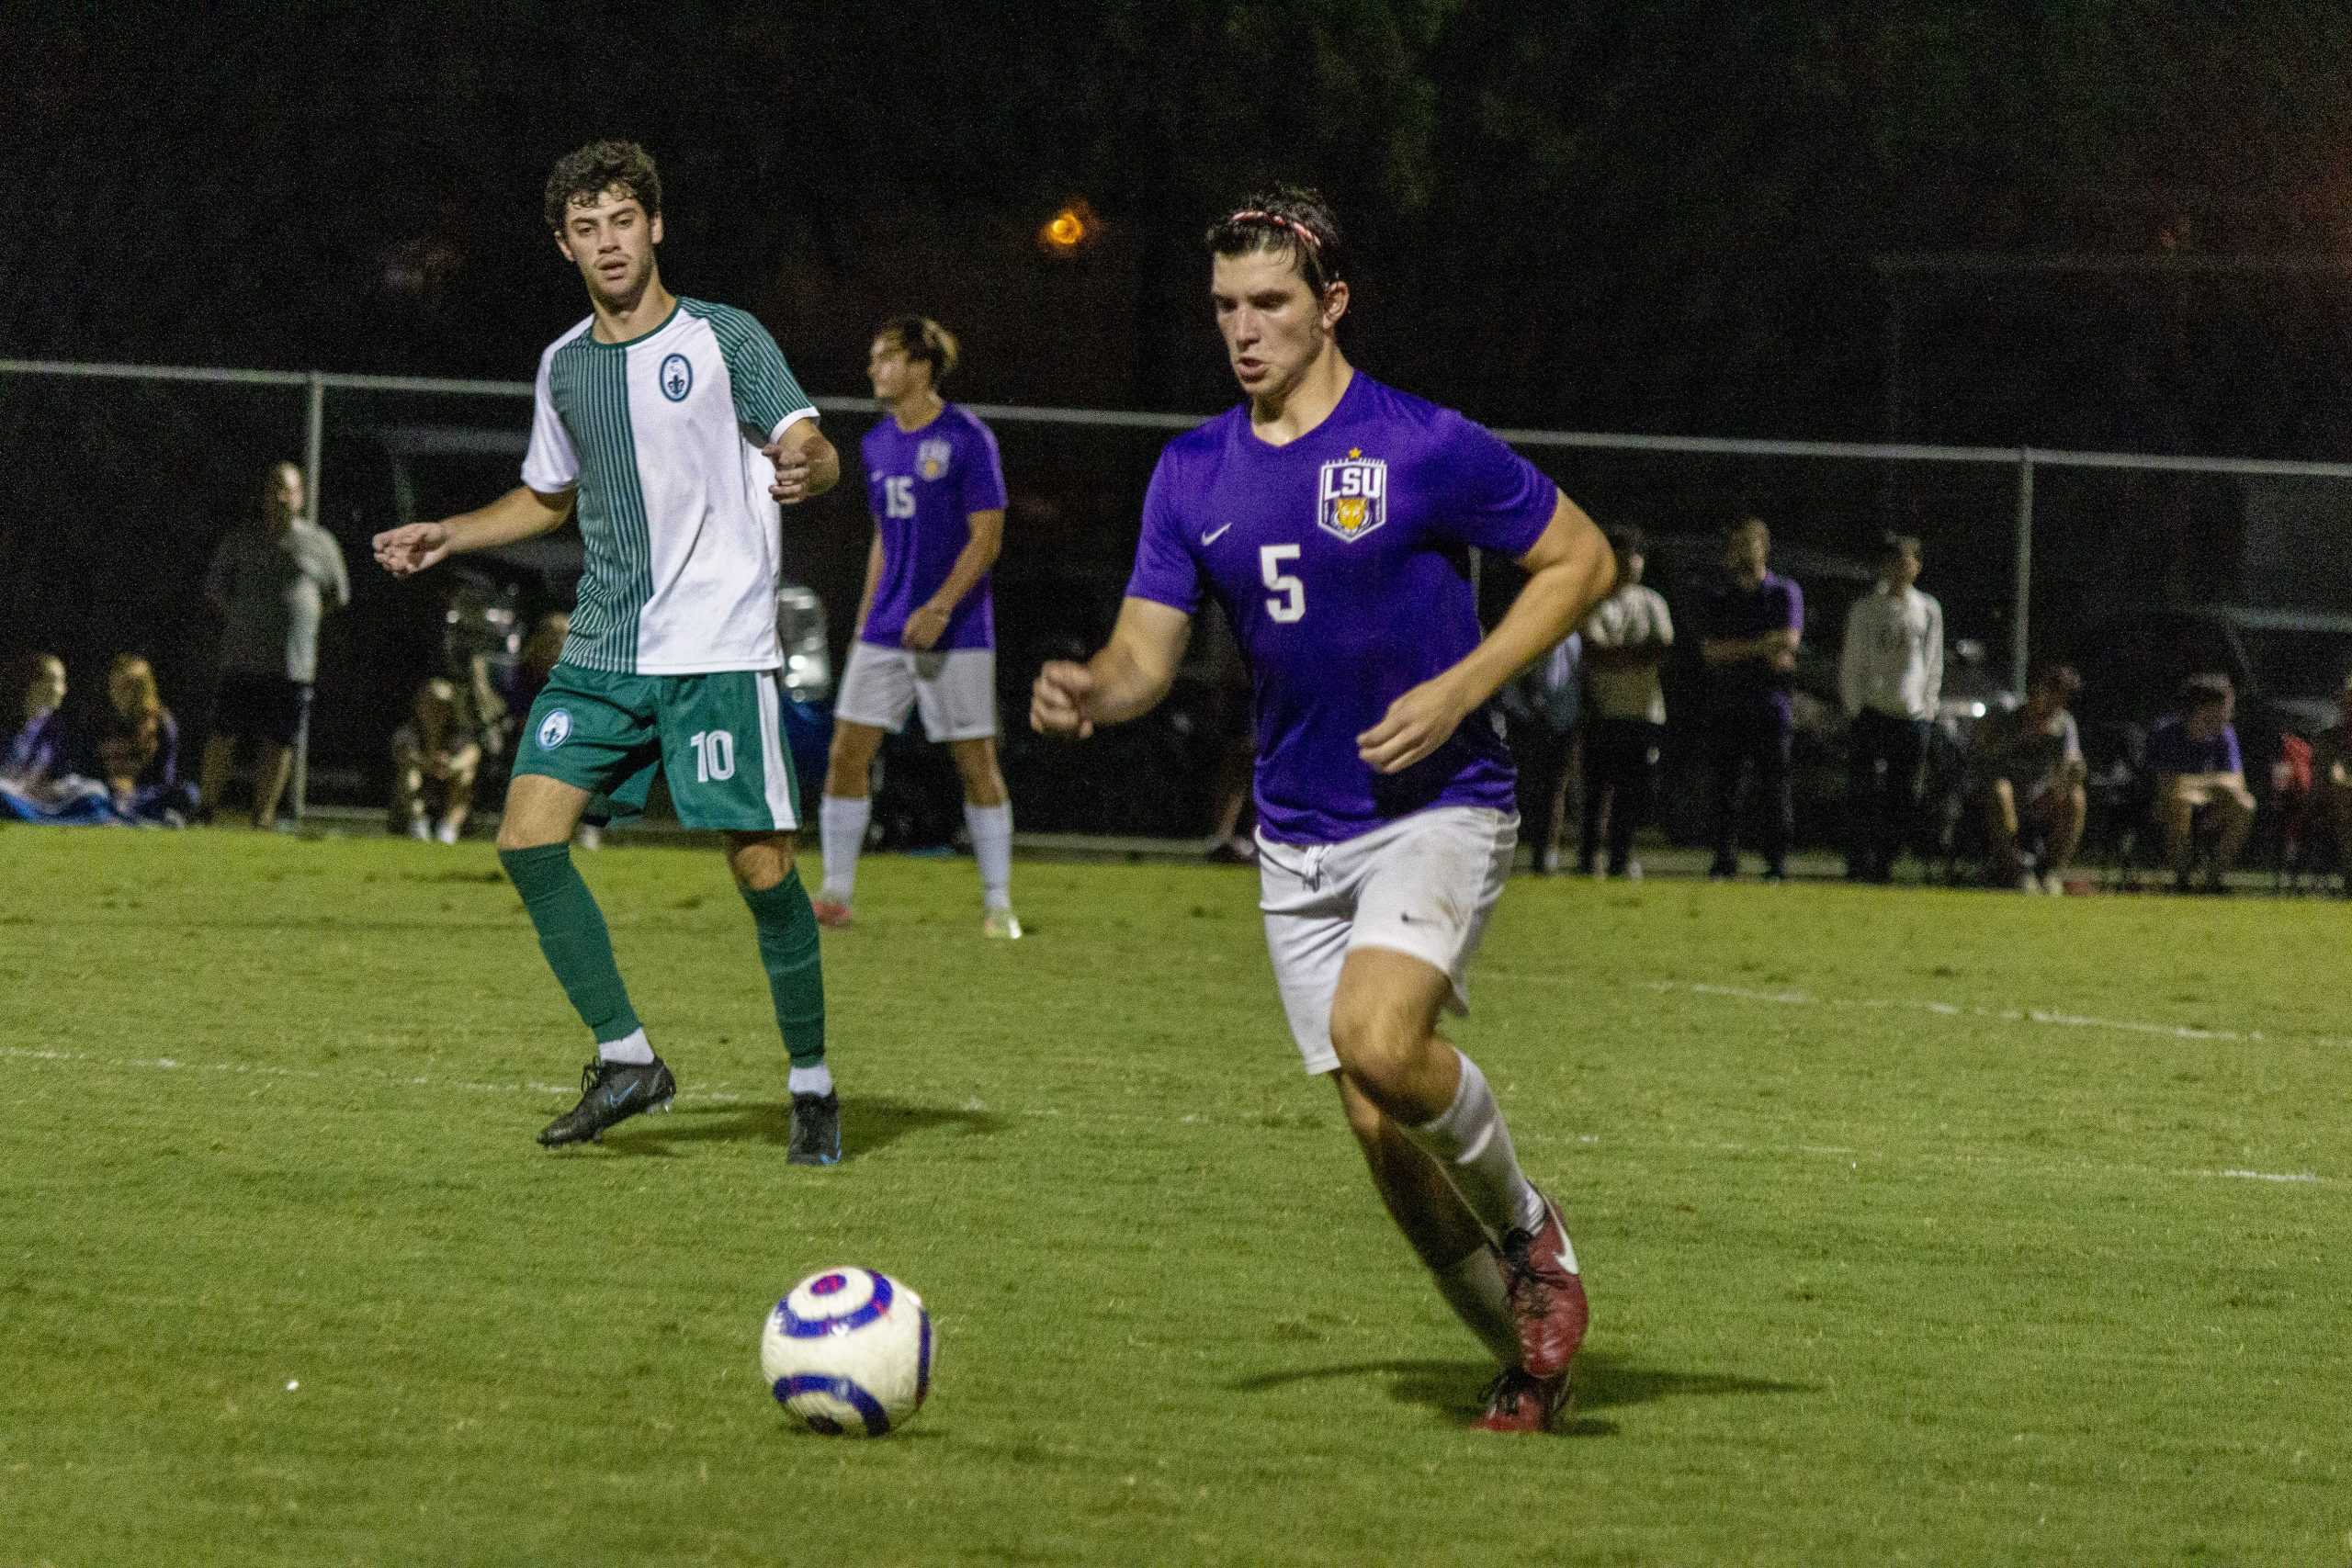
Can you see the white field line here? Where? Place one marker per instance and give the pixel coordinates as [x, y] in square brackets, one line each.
[2045, 1016]
[725, 1095]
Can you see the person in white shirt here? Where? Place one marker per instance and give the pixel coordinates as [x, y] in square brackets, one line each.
[1626, 639]
[1890, 674]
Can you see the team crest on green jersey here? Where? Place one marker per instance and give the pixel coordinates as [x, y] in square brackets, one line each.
[677, 378]
[1351, 496]
[932, 456]
[555, 729]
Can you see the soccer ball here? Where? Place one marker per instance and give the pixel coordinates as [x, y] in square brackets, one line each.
[849, 1352]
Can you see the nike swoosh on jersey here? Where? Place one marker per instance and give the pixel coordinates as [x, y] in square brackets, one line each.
[1213, 535]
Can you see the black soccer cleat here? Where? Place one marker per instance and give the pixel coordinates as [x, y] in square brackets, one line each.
[610, 1092]
[816, 1130]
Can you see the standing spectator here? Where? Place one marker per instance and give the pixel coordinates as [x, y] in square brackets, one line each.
[272, 582]
[1540, 708]
[139, 754]
[1891, 675]
[436, 756]
[2198, 770]
[1754, 620]
[2027, 768]
[1626, 639]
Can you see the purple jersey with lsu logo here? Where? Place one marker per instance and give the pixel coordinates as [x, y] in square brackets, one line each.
[1342, 560]
[923, 486]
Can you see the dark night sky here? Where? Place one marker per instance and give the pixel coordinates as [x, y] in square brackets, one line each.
[1649, 217]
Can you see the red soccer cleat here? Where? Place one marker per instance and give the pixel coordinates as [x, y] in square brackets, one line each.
[829, 913]
[1546, 1295]
[1517, 1403]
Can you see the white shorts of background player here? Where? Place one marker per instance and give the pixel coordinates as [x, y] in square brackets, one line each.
[954, 689]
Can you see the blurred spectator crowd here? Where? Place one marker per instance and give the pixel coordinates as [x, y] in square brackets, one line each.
[1651, 720]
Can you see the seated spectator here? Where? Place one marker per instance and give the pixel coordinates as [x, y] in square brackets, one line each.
[2332, 782]
[2028, 770]
[532, 671]
[138, 753]
[2200, 775]
[34, 746]
[35, 785]
[436, 756]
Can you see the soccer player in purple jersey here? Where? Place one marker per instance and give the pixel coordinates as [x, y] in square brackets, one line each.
[1332, 517]
[926, 622]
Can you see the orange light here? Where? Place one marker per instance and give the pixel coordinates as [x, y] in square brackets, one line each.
[1069, 229]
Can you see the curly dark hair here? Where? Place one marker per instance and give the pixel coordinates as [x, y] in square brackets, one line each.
[1292, 220]
[587, 173]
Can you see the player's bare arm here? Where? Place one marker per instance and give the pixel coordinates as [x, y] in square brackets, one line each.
[521, 513]
[1124, 680]
[1779, 646]
[1569, 570]
[806, 464]
[928, 624]
[872, 582]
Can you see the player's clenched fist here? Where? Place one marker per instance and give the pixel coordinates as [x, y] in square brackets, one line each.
[412, 547]
[793, 470]
[1058, 703]
[1415, 725]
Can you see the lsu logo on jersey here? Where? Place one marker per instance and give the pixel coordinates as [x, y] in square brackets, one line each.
[932, 456]
[1351, 497]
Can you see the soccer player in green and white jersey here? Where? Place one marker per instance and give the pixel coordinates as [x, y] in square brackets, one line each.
[673, 428]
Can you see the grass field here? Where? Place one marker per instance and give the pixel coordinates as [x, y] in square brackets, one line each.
[1920, 1227]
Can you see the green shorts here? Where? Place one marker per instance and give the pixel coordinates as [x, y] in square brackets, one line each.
[718, 738]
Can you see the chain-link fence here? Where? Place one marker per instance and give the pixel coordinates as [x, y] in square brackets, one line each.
[127, 476]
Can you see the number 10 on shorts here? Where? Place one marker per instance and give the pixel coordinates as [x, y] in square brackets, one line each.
[714, 755]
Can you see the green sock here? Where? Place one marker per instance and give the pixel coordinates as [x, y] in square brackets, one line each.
[787, 928]
[572, 934]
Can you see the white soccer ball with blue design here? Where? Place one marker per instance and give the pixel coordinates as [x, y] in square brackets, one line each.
[849, 1352]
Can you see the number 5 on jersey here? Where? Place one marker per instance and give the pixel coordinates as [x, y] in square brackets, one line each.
[1292, 605]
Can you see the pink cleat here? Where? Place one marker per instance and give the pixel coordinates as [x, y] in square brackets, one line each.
[832, 915]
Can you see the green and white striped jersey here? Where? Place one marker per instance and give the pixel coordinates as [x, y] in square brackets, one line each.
[660, 434]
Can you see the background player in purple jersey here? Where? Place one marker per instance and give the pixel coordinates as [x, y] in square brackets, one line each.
[1332, 517]
[926, 622]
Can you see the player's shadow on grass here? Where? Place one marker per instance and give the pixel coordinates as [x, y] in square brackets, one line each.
[868, 1125]
[1601, 1381]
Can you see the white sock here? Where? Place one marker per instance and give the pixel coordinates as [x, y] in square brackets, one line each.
[1475, 1289]
[840, 833]
[818, 1079]
[1472, 1146]
[991, 828]
[633, 1048]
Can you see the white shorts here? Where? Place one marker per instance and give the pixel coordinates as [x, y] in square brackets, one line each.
[954, 689]
[1421, 886]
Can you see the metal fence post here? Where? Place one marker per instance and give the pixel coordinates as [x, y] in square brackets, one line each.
[2020, 619]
